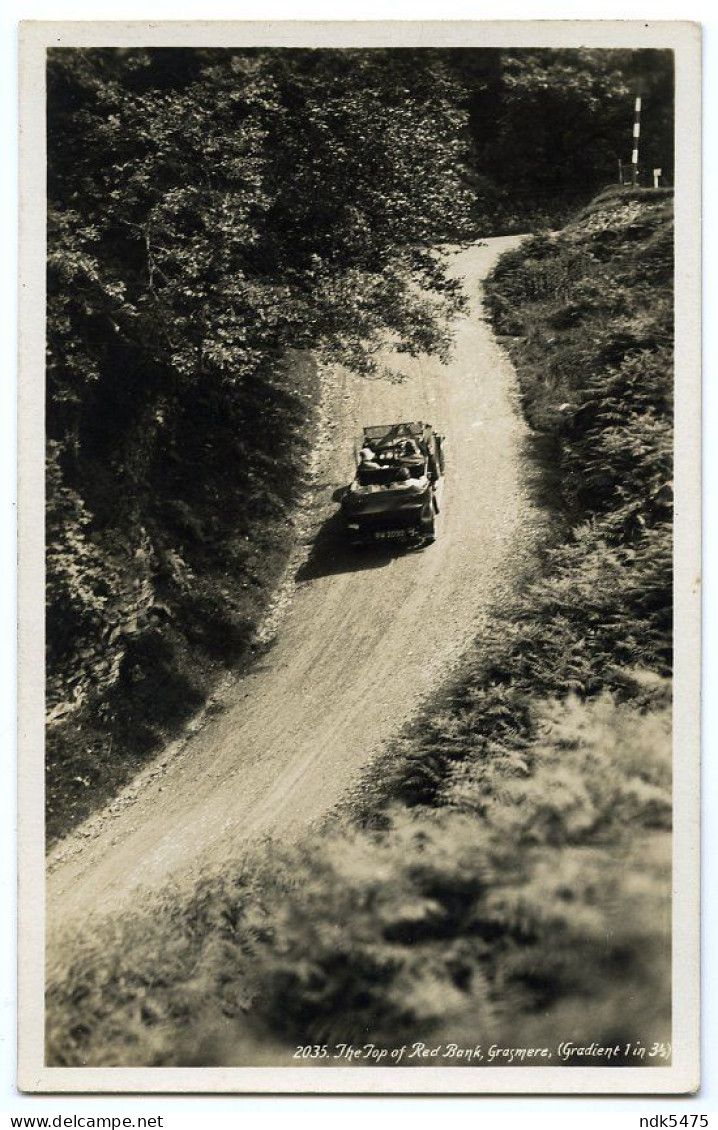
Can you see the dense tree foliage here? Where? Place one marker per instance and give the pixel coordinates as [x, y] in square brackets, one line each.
[548, 127]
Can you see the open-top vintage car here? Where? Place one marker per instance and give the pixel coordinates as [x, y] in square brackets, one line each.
[396, 492]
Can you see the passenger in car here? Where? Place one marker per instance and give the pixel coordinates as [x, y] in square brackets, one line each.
[408, 449]
[403, 480]
[367, 453]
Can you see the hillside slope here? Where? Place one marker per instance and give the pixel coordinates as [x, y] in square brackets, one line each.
[503, 871]
[367, 636]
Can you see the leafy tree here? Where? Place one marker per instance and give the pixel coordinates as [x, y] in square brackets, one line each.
[549, 126]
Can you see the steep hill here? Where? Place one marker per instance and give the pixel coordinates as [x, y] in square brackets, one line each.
[502, 874]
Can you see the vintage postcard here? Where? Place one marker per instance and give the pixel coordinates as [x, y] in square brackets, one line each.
[360, 557]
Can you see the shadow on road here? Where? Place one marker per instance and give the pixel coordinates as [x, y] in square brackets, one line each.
[331, 554]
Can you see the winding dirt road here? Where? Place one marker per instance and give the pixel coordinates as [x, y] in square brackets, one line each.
[365, 637]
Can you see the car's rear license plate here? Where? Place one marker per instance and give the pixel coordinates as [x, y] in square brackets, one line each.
[391, 534]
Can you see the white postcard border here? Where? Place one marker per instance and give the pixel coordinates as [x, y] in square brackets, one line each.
[682, 1076]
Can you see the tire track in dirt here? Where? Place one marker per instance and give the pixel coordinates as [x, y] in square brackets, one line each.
[367, 636]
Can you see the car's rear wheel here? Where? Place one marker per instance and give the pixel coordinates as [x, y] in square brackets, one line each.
[428, 531]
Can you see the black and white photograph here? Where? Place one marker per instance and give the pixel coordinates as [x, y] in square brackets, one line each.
[359, 742]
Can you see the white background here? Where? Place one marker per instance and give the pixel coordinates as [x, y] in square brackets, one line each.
[180, 1113]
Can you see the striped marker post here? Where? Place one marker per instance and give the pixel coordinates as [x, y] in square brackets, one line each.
[636, 138]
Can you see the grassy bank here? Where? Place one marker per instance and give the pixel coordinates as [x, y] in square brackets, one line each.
[184, 569]
[504, 873]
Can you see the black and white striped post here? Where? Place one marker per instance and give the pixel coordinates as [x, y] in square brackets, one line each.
[636, 139]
